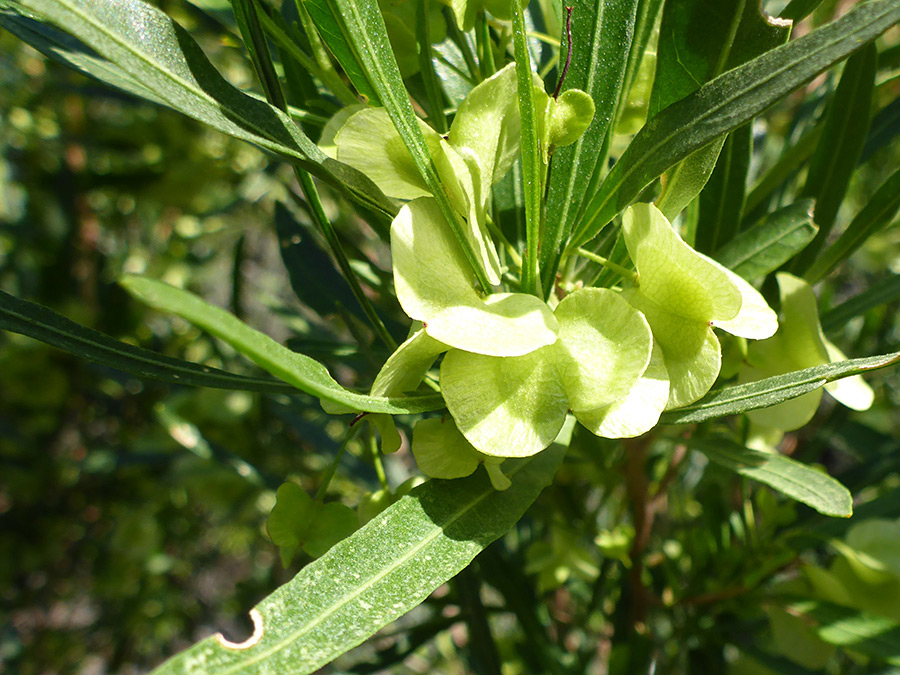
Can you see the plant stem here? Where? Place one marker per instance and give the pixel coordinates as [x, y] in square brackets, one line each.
[426, 65]
[631, 275]
[265, 69]
[531, 155]
[376, 460]
[460, 39]
[329, 474]
[565, 70]
[321, 220]
[485, 48]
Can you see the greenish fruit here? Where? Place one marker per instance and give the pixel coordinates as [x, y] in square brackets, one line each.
[570, 116]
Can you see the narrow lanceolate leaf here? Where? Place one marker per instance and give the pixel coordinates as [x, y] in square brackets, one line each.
[885, 291]
[877, 637]
[798, 481]
[601, 39]
[722, 201]
[878, 212]
[772, 390]
[724, 104]
[333, 36]
[163, 58]
[778, 174]
[301, 371]
[532, 167]
[362, 26]
[765, 247]
[698, 42]
[65, 49]
[375, 575]
[846, 126]
[41, 323]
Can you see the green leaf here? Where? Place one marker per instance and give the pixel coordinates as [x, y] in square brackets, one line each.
[799, 9]
[701, 39]
[772, 390]
[376, 575]
[790, 161]
[798, 481]
[332, 32]
[766, 246]
[65, 49]
[885, 291]
[875, 636]
[725, 104]
[698, 41]
[299, 370]
[846, 125]
[41, 323]
[601, 39]
[160, 55]
[878, 212]
[722, 201]
[533, 147]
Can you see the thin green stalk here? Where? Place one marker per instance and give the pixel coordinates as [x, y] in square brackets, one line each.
[324, 225]
[376, 460]
[485, 47]
[460, 39]
[246, 13]
[624, 272]
[320, 51]
[329, 474]
[510, 249]
[266, 71]
[328, 76]
[531, 154]
[426, 65]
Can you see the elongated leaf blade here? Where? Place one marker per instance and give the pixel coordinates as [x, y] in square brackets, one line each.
[880, 210]
[875, 636]
[699, 41]
[885, 291]
[815, 489]
[764, 393]
[532, 167]
[65, 49]
[377, 574]
[154, 51]
[298, 370]
[726, 103]
[765, 247]
[846, 126]
[722, 201]
[41, 323]
[333, 36]
[602, 34]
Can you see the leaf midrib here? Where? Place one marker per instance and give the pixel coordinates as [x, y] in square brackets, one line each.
[269, 142]
[627, 173]
[375, 579]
